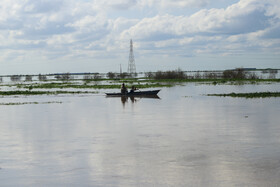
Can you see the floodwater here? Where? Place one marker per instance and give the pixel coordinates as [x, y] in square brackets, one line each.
[182, 139]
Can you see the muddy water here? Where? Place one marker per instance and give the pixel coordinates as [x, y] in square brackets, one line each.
[182, 139]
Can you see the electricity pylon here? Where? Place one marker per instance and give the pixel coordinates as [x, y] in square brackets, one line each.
[131, 61]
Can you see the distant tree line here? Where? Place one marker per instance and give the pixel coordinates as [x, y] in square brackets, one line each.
[238, 73]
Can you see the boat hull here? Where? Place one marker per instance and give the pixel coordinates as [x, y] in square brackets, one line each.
[135, 94]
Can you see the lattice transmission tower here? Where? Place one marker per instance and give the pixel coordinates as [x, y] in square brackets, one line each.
[131, 61]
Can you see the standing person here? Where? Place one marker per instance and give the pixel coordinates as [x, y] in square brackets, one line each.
[123, 89]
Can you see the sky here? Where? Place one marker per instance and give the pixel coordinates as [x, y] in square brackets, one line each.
[49, 36]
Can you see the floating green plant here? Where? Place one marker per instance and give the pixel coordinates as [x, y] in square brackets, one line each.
[249, 95]
[27, 92]
[34, 103]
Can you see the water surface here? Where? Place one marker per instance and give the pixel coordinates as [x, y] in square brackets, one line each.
[182, 139]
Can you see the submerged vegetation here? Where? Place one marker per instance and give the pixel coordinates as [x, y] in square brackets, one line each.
[249, 95]
[27, 92]
[77, 83]
[238, 74]
[33, 103]
[232, 77]
[87, 86]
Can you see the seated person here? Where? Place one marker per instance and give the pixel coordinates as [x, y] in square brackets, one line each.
[133, 88]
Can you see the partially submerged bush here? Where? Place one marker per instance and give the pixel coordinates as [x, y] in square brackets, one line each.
[234, 74]
[28, 78]
[42, 77]
[149, 75]
[88, 77]
[239, 73]
[253, 76]
[211, 75]
[111, 75]
[15, 78]
[64, 76]
[123, 75]
[96, 76]
[177, 74]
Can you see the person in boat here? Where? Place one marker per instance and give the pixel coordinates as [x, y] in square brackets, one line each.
[133, 88]
[123, 89]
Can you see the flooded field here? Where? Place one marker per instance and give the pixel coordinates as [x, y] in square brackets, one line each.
[183, 138]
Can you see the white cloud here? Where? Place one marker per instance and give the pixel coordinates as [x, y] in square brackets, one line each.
[216, 28]
[119, 4]
[173, 3]
[58, 28]
[236, 19]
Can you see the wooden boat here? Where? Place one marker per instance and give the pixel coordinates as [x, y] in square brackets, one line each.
[135, 94]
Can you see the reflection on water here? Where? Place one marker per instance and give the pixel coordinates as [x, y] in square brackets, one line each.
[134, 99]
[182, 139]
[125, 100]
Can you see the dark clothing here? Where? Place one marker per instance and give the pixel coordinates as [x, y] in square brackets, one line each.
[123, 89]
[133, 89]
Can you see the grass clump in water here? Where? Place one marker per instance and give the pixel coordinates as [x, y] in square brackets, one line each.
[249, 95]
[27, 92]
[31, 103]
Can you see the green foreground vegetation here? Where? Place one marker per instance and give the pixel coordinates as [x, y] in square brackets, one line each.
[26, 92]
[32, 103]
[249, 95]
